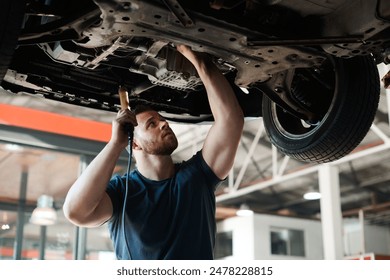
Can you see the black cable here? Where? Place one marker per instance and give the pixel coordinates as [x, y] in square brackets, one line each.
[130, 141]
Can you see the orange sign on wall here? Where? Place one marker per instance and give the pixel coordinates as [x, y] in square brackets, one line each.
[54, 123]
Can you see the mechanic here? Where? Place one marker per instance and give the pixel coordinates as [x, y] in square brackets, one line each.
[170, 208]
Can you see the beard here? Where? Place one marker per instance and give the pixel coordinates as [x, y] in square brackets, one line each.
[164, 147]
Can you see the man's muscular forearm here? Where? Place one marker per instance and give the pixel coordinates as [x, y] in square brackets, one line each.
[87, 193]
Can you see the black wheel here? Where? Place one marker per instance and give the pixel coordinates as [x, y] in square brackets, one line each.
[11, 17]
[344, 94]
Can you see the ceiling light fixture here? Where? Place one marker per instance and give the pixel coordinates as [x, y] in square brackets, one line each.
[312, 195]
[5, 227]
[244, 211]
[44, 214]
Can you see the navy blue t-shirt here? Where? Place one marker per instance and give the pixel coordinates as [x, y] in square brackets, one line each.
[168, 219]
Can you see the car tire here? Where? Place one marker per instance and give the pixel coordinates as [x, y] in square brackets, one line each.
[11, 17]
[345, 121]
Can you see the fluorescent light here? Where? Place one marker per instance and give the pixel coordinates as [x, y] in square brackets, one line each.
[312, 195]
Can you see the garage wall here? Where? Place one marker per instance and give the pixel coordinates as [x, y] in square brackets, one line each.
[242, 229]
[376, 238]
[251, 236]
[311, 229]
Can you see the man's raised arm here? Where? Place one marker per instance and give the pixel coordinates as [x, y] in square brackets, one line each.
[220, 146]
[87, 203]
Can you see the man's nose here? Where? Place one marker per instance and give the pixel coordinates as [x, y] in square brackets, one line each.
[163, 124]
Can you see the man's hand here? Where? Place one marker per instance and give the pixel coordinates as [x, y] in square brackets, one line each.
[188, 53]
[119, 135]
[195, 58]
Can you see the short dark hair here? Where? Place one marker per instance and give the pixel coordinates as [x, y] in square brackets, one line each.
[140, 108]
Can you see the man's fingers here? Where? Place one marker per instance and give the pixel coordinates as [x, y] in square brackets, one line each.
[188, 53]
[126, 117]
[182, 48]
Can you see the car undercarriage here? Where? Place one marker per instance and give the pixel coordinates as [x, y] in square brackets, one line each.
[307, 67]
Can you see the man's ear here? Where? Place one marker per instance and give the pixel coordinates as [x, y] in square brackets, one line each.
[135, 145]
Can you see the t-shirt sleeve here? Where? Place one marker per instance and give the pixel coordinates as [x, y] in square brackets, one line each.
[115, 191]
[198, 167]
